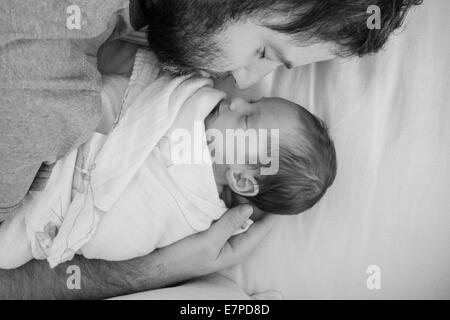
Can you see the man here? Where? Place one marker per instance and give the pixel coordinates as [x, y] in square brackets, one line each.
[249, 39]
[50, 102]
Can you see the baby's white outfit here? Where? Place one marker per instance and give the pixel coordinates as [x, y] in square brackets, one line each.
[118, 196]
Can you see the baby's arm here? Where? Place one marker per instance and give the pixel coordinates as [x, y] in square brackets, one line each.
[15, 249]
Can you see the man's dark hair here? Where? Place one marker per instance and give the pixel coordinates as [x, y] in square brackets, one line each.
[307, 168]
[181, 31]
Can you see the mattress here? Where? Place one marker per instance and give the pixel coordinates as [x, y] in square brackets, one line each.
[383, 229]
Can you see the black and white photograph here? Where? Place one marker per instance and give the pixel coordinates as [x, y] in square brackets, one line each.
[225, 155]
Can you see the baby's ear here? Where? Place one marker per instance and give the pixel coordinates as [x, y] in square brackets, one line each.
[242, 182]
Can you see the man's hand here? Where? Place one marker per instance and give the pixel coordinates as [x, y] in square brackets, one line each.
[216, 248]
[197, 255]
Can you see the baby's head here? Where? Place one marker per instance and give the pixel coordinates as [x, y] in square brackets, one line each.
[306, 155]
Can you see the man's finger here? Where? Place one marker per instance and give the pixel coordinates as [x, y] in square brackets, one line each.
[232, 220]
[242, 245]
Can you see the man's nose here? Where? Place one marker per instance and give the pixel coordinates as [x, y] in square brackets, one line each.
[248, 76]
[239, 105]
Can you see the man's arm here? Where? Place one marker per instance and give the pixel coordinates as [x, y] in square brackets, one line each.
[195, 256]
[99, 279]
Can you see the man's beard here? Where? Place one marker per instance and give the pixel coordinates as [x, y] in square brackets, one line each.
[184, 35]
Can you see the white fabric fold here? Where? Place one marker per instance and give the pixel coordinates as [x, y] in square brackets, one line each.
[120, 196]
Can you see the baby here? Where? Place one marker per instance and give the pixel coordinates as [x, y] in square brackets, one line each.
[124, 193]
[306, 158]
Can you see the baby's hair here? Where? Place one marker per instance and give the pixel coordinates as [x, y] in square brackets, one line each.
[307, 168]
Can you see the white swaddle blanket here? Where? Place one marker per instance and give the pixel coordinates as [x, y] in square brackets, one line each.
[119, 196]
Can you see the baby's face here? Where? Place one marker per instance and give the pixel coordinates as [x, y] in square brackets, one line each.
[265, 114]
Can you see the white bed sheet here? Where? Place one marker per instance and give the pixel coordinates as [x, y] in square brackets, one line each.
[389, 115]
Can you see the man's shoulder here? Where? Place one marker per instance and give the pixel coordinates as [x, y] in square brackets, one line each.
[56, 19]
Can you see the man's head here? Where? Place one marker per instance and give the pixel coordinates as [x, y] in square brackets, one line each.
[305, 155]
[250, 38]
